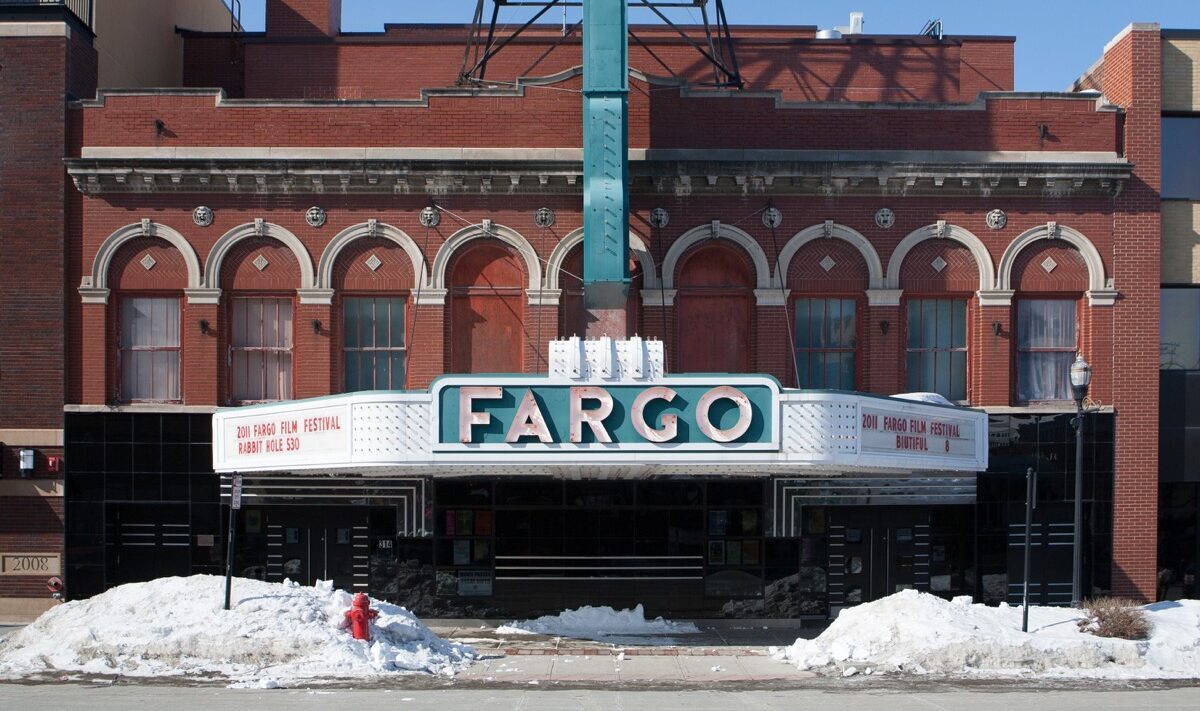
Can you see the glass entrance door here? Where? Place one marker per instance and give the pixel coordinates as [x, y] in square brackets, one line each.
[307, 545]
[876, 552]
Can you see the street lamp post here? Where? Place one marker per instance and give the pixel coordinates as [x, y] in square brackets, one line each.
[1081, 377]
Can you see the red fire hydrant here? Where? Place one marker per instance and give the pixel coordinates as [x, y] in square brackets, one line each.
[359, 617]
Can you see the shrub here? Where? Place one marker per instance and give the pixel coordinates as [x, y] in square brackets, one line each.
[1114, 617]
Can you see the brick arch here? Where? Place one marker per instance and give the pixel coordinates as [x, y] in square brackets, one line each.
[1099, 291]
[938, 232]
[736, 269]
[213, 267]
[849, 272]
[376, 232]
[959, 274]
[831, 230]
[168, 270]
[239, 272]
[722, 234]
[351, 270]
[93, 288]
[1069, 273]
[448, 253]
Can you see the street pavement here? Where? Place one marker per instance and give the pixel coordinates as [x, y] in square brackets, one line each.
[852, 697]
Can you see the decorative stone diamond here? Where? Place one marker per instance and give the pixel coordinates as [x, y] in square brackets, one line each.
[260, 262]
[373, 262]
[148, 262]
[938, 264]
[827, 263]
[1049, 264]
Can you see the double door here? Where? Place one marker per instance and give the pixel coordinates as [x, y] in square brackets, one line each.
[875, 552]
[311, 544]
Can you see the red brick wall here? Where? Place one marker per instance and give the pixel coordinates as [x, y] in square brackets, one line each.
[1132, 78]
[304, 18]
[552, 118]
[318, 356]
[37, 75]
[406, 59]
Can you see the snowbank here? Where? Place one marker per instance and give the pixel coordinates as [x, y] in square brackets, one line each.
[274, 633]
[918, 633]
[596, 623]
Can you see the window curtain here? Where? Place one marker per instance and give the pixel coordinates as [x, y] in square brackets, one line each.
[149, 349]
[1046, 344]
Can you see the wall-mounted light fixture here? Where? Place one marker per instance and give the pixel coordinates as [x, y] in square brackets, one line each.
[1043, 131]
[316, 325]
[159, 126]
[884, 327]
[996, 328]
[27, 465]
[204, 327]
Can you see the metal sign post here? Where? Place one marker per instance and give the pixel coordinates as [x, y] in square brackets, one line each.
[1030, 505]
[235, 503]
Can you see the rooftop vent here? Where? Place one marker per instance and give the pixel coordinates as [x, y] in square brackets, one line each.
[854, 28]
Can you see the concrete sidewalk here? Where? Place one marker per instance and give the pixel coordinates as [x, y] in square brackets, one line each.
[722, 651]
[740, 665]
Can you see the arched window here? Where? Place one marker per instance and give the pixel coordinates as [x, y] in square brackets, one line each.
[715, 310]
[827, 279]
[148, 274]
[487, 316]
[373, 278]
[261, 274]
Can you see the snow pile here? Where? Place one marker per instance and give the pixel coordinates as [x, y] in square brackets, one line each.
[598, 622]
[919, 633]
[274, 633]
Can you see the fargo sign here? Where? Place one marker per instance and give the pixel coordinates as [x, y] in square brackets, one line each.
[678, 414]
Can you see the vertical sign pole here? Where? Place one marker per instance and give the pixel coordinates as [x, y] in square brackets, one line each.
[1030, 505]
[235, 503]
[606, 166]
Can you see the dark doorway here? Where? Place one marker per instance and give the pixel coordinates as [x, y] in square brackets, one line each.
[876, 552]
[147, 541]
[310, 544]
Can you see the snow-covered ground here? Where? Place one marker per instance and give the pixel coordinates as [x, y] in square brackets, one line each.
[918, 633]
[275, 634]
[599, 623]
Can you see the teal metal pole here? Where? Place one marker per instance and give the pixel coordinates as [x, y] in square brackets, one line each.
[606, 165]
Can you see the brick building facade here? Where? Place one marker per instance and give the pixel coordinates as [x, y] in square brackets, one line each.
[893, 195]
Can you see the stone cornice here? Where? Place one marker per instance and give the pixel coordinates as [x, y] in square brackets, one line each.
[441, 171]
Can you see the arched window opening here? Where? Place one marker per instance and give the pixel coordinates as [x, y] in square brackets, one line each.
[487, 316]
[715, 311]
